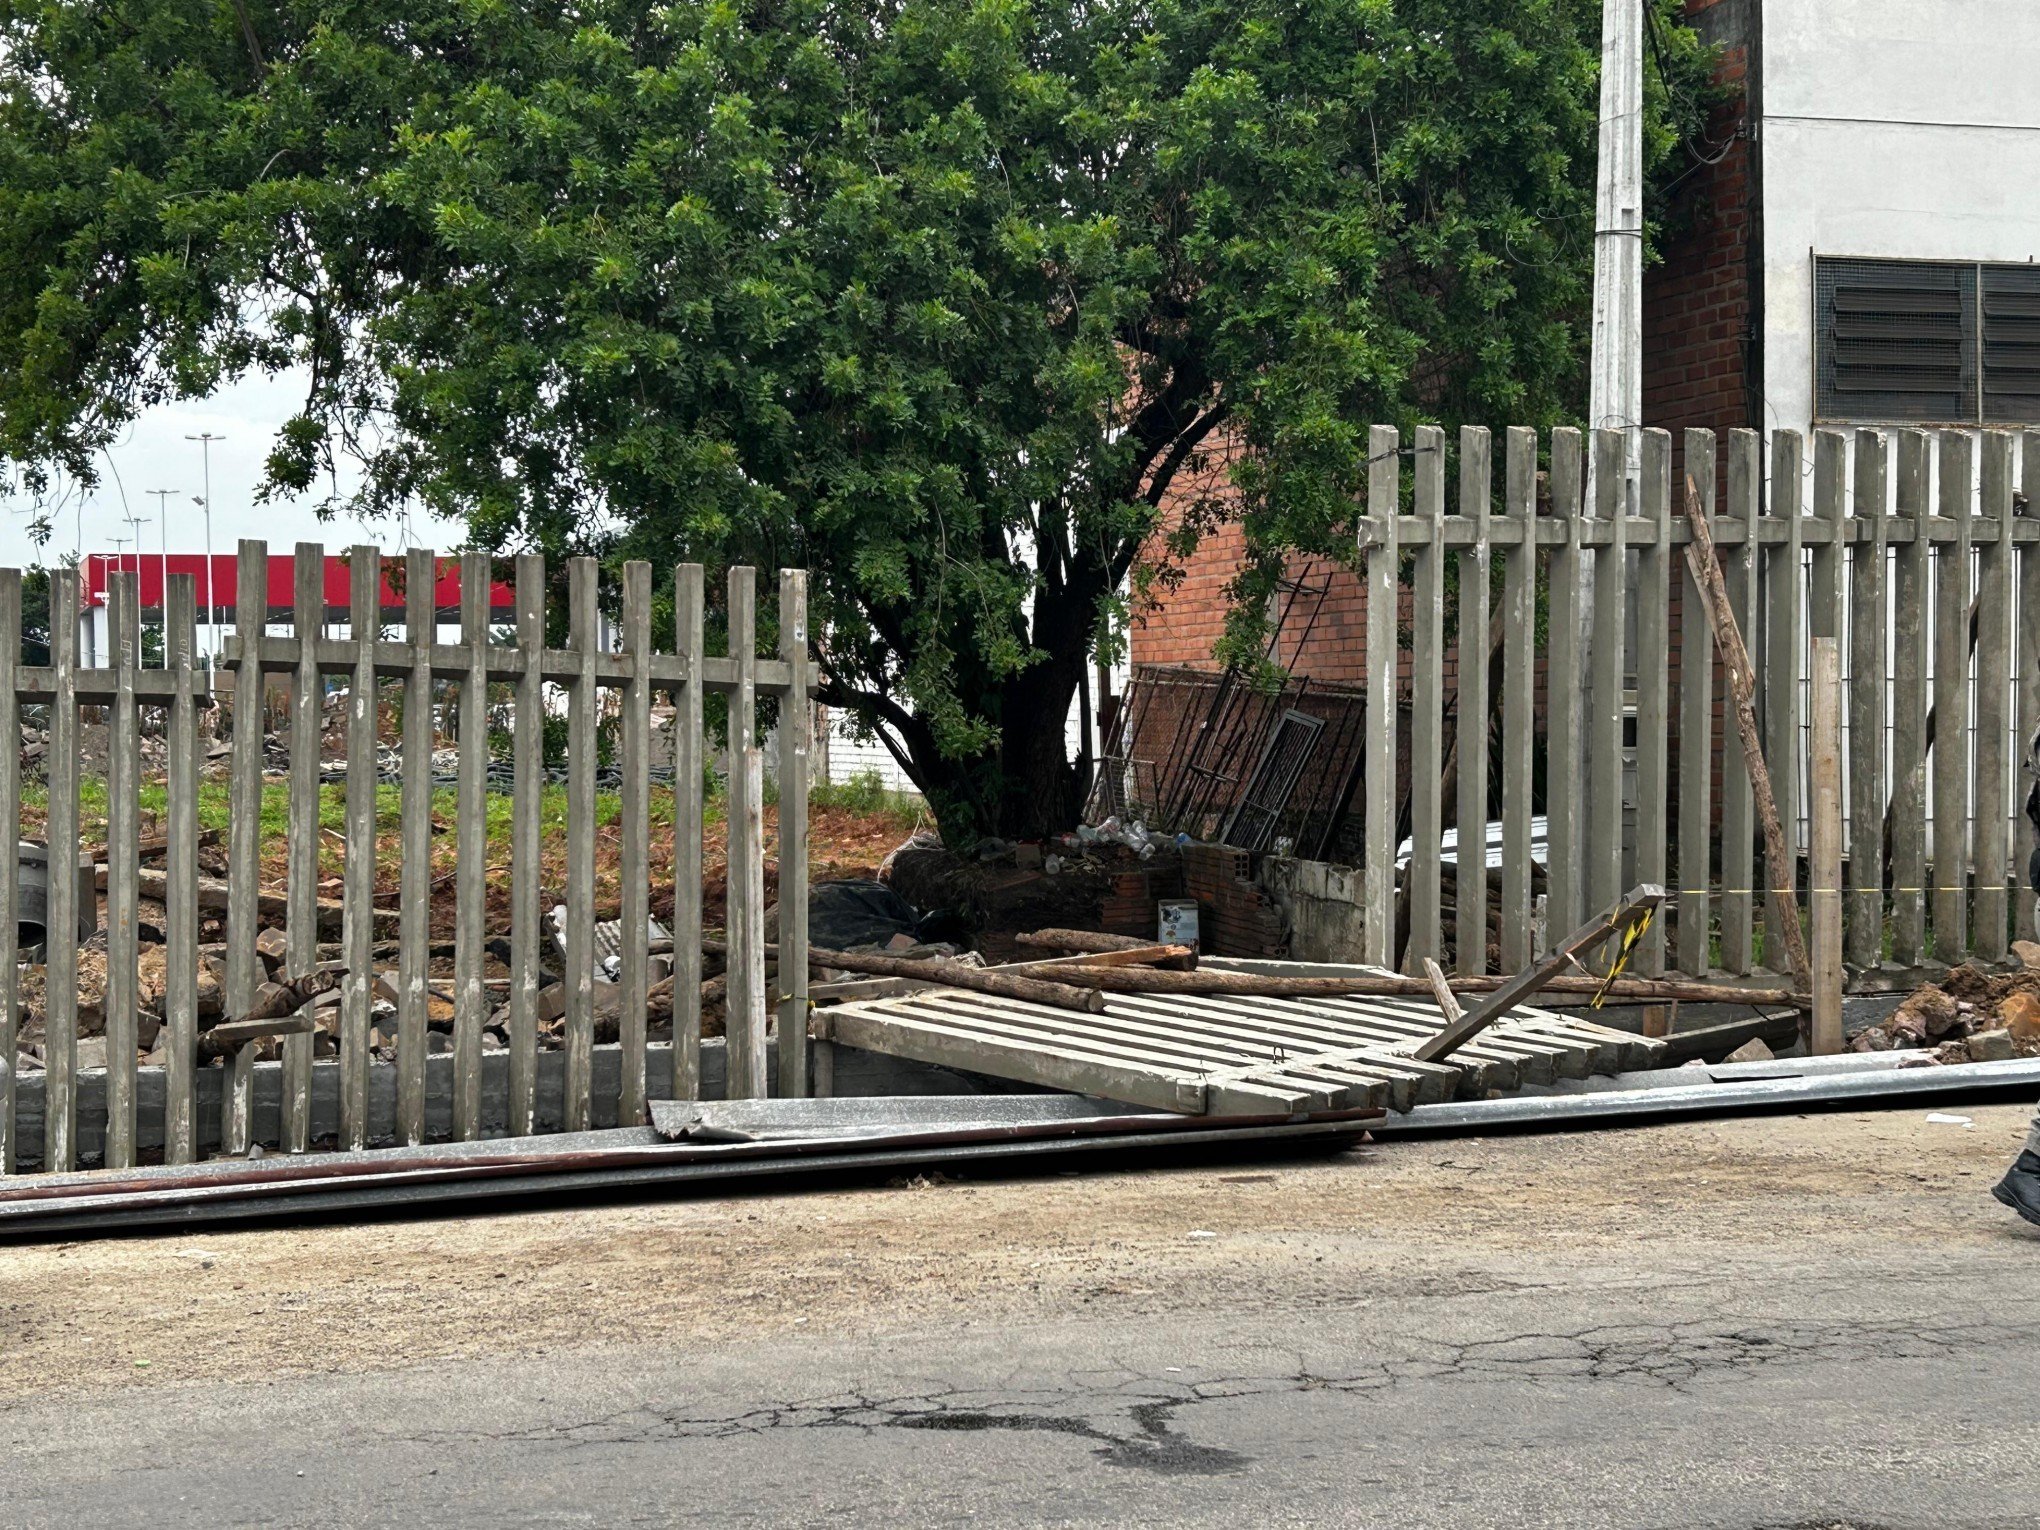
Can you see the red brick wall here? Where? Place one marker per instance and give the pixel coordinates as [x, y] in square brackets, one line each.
[1698, 358]
[1697, 371]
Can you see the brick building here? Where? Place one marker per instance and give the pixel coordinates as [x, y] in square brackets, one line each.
[1702, 367]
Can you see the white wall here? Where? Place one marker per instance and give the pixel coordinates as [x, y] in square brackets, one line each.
[1892, 128]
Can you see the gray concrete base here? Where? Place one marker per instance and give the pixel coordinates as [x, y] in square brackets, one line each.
[856, 1073]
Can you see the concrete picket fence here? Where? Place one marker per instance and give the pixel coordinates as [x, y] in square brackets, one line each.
[305, 658]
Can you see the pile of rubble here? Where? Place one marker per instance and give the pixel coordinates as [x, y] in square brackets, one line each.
[1971, 1015]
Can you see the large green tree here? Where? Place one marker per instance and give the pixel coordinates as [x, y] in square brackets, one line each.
[953, 302]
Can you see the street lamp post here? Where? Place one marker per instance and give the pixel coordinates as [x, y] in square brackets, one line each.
[205, 440]
[135, 524]
[163, 594]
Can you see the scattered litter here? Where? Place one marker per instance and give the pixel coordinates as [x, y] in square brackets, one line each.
[1936, 1118]
[1202, 1233]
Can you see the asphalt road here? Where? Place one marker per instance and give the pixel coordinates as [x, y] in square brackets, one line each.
[1815, 1322]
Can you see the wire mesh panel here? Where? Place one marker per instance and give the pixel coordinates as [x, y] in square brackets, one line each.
[2009, 333]
[1895, 340]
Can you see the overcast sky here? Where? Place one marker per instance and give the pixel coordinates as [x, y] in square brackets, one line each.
[155, 455]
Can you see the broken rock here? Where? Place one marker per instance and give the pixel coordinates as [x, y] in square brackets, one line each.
[2020, 1014]
[1990, 1046]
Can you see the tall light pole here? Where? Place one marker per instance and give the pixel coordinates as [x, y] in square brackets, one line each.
[163, 594]
[205, 440]
[135, 524]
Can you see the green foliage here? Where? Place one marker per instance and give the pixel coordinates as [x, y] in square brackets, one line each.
[977, 309]
[867, 795]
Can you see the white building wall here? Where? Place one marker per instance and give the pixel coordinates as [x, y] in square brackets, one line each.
[1898, 129]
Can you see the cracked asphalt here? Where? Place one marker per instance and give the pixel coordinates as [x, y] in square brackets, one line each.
[1816, 1321]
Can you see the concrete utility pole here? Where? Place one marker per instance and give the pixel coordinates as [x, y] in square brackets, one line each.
[1615, 384]
[1615, 367]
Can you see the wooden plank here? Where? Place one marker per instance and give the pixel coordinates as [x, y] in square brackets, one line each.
[308, 613]
[1911, 591]
[60, 969]
[1692, 951]
[1781, 665]
[583, 577]
[1476, 496]
[364, 617]
[634, 834]
[180, 866]
[527, 787]
[1824, 848]
[688, 775]
[1379, 559]
[245, 973]
[421, 625]
[795, 745]
[1519, 698]
[1994, 613]
[1629, 913]
[1427, 700]
[1740, 674]
[1653, 708]
[10, 812]
[471, 841]
[1602, 825]
[123, 861]
[1564, 774]
[744, 998]
[1738, 803]
[1950, 900]
[2026, 674]
[1863, 908]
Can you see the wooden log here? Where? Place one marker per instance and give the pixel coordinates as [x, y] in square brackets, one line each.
[1391, 985]
[230, 1036]
[1078, 940]
[1735, 663]
[1061, 995]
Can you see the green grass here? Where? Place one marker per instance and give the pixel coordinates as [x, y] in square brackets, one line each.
[868, 796]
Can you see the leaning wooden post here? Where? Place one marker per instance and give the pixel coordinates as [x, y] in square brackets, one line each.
[1735, 663]
[1824, 847]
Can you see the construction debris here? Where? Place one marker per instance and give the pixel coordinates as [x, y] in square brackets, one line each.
[631, 1160]
[1971, 1015]
[1734, 1089]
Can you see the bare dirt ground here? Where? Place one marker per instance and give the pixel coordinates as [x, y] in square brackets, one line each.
[1696, 1201]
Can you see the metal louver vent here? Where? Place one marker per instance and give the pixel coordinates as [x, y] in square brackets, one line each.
[1895, 340]
[2011, 345]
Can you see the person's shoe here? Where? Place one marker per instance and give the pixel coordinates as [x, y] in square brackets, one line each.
[2020, 1188]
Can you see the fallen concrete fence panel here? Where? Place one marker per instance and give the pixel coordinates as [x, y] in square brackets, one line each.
[1215, 1056]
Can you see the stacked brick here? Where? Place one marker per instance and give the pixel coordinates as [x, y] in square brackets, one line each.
[1234, 916]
